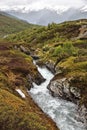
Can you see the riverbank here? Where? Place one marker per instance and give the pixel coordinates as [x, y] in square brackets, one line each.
[62, 48]
[17, 109]
[64, 113]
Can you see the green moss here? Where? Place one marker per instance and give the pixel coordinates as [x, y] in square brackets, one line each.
[67, 65]
[57, 51]
[70, 66]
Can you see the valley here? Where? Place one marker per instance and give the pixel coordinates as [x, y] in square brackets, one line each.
[62, 48]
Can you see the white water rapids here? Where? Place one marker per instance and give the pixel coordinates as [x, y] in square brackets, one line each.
[62, 112]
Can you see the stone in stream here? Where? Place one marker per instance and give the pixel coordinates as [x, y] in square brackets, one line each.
[61, 88]
[50, 67]
[38, 79]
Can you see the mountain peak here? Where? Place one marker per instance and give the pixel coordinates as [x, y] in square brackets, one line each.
[47, 14]
[28, 8]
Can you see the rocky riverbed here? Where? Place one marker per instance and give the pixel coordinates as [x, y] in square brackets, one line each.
[61, 88]
[64, 113]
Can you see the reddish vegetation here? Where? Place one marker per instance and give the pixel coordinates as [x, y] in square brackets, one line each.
[19, 113]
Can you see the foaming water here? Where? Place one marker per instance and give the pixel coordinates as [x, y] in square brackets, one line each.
[62, 112]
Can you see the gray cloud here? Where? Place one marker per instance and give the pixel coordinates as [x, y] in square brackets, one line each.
[11, 2]
[70, 3]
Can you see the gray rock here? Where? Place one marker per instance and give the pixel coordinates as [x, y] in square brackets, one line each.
[50, 66]
[83, 32]
[61, 88]
[82, 115]
[35, 57]
[38, 79]
[25, 50]
[75, 92]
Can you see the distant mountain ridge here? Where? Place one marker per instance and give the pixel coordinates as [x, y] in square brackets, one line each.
[10, 24]
[49, 15]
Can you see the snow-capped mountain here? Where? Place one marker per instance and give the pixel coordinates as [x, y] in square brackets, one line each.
[84, 9]
[46, 15]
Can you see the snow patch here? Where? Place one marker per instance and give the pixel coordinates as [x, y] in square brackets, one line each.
[21, 93]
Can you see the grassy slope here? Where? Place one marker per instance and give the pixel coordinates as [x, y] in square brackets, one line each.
[9, 24]
[15, 112]
[60, 45]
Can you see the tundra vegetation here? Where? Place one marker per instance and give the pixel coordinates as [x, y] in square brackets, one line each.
[63, 46]
[17, 71]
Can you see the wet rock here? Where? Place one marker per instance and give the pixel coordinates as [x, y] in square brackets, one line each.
[50, 66]
[25, 50]
[38, 79]
[35, 57]
[82, 114]
[75, 92]
[40, 63]
[61, 88]
[57, 88]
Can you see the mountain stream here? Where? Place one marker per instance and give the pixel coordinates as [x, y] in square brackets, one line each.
[64, 113]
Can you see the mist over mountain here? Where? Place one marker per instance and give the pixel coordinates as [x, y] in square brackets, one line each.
[45, 16]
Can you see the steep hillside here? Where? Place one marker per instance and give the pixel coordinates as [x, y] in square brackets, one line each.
[18, 111]
[62, 48]
[10, 24]
[17, 73]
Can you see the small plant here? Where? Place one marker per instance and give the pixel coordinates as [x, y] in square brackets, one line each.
[69, 49]
[58, 50]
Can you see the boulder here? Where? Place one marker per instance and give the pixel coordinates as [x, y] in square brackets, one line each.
[83, 32]
[62, 88]
[38, 79]
[50, 66]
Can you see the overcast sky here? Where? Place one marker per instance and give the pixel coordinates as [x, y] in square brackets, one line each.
[43, 3]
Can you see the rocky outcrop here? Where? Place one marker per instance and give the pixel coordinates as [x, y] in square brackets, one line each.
[38, 80]
[50, 66]
[34, 57]
[61, 88]
[83, 32]
[82, 113]
[25, 50]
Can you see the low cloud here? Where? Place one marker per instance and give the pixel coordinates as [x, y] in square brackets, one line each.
[43, 3]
